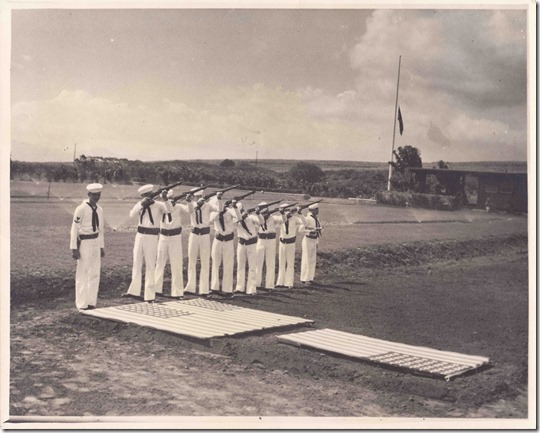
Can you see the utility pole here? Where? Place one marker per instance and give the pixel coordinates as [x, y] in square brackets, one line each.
[256, 157]
[74, 152]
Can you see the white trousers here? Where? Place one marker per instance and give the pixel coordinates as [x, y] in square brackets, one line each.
[145, 248]
[198, 245]
[286, 264]
[266, 252]
[309, 259]
[222, 252]
[88, 273]
[246, 254]
[170, 248]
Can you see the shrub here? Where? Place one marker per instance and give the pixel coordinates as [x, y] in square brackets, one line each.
[426, 201]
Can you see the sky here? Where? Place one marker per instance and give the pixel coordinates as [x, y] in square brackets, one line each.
[158, 84]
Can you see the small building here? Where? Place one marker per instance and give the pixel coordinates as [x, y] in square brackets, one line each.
[501, 190]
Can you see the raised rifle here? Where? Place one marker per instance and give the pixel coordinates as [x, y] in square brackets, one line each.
[302, 207]
[185, 194]
[212, 194]
[270, 212]
[239, 197]
[165, 188]
[264, 206]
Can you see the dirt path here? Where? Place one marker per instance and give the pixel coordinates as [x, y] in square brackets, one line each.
[66, 364]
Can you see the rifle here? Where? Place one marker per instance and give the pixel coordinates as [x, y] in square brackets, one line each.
[212, 194]
[185, 194]
[239, 197]
[264, 206]
[270, 212]
[301, 208]
[164, 188]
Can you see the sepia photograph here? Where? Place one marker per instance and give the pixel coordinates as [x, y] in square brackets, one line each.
[289, 215]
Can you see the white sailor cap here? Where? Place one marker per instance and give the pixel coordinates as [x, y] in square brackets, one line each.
[262, 203]
[170, 193]
[313, 206]
[146, 188]
[94, 187]
[283, 205]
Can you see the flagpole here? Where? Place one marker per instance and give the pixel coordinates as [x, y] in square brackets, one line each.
[395, 118]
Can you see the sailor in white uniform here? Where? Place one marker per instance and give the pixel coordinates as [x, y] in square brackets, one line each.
[87, 247]
[150, 213]
[287, 246]
[312, 230]
[266, 248]
[170, 248]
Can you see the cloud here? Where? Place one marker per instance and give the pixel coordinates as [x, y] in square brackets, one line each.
[459, 69]
[232, 122]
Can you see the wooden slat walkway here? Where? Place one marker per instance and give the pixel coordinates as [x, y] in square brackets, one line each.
[416, 358]
[196, 318]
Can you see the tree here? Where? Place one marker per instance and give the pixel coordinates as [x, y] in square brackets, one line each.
[406, 157]
[306, 173]
[227, 163]
[442, 165]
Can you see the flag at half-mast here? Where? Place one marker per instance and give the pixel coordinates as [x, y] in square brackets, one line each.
[400, 120]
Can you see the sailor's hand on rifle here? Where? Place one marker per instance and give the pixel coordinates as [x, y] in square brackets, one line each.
[219, 195]
[233, 204]
[257, 210]
[75, 254]
[189, 197]
[298, 209]
[146, 201]
[164, 195]
[288, 214]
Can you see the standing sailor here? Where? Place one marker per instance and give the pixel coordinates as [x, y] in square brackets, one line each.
[150, 213]
[170, 248]
[87, 247]
[222, 247]
[199, 244]
[312, 229]
[287, 246]
[266, 248]
[247, 226]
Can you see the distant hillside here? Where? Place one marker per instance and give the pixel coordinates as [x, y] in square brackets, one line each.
[284, 165]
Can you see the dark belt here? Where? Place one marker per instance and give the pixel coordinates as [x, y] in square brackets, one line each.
[225, 238]
[171, 232]
[312, 236]
[288, 240]
[92, 236]
[247, 241]
[148, 230]
[200, 231]
[267, 235]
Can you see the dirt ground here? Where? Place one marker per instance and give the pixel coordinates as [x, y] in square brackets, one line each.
[67, 364]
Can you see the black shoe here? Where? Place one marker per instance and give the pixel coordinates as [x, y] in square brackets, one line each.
[91, 307]
[83, 309]
[152, 301]
[177, 297]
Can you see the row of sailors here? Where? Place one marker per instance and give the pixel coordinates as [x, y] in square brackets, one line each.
[159, 240]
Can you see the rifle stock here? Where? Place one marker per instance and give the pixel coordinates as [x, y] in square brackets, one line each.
[264, 206]
[185, 194]
[165, 188]
[302, 207]
[239, 197]
[212, 194]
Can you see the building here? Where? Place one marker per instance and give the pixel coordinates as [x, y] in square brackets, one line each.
[498, 190]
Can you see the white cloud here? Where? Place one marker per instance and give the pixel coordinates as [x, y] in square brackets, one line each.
[234, 122]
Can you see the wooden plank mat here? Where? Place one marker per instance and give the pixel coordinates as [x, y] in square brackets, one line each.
[196, 318]
[418, 359]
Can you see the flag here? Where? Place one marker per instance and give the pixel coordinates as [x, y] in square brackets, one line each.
[400, 120]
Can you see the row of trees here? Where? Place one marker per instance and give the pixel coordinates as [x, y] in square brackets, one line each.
[303, 177]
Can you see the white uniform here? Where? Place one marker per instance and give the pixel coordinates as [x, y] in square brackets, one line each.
[287, 249]
[199, 245]
[222, 248]
[266, 249]
[146, 241]
[170, 248]
[246, 251]
[87, 237]
[312, 228]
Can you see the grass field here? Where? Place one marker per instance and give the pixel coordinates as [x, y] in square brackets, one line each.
[448, 280]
